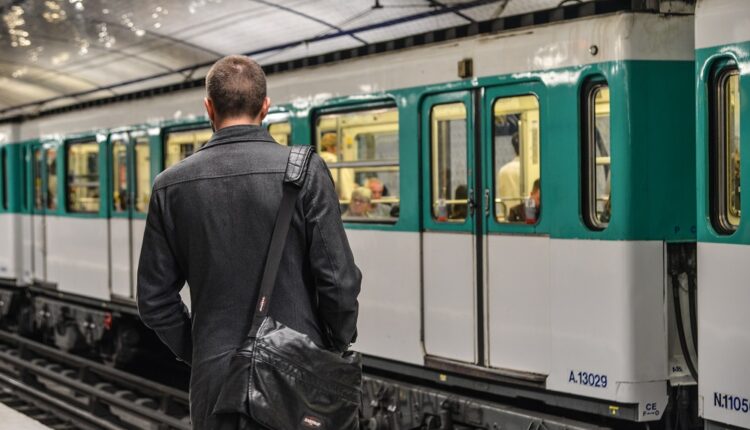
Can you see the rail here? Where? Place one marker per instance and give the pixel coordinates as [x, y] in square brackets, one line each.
[87, 394]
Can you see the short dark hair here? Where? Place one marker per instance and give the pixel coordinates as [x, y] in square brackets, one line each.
[237, 86]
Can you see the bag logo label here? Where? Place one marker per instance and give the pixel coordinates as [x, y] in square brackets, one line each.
[312, 422]
[262, 304]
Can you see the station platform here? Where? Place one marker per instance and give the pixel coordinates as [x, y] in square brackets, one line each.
[11, 419]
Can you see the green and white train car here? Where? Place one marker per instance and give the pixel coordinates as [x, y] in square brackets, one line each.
[527, 224]
[722, 55]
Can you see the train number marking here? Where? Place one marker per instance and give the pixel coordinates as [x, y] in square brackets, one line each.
[587, 378]
[732, 403]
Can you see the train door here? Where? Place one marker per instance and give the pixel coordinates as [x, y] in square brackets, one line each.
[516, 278]
[44, 174]
[131, 186]
[448, 241]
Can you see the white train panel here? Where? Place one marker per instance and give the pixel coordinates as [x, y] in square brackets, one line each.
[617, 37]
[724, 332]
[518, 303]
[608, 321]
[8, 240]
[27, 248]
[389, 322]
[39, 252]
[77, 260]
[720, 22]
[120, 253]
[449, 268]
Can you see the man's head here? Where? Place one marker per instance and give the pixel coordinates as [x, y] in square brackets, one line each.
[236, 92]
[536, 193]
[376, 187]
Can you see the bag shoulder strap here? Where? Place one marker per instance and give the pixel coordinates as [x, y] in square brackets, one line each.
[294, 178]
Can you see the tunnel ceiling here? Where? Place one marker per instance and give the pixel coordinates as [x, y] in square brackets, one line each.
[60, 52]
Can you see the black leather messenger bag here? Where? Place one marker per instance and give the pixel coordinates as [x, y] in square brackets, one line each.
[278, 376]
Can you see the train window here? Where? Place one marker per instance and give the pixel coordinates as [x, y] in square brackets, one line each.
[142, 174]
[120, 175]
[448, 160]
[83, 176]
[38, 166]
[725, 155]
[595, 155]
[51, 155]
[516, 158]
[5, 177]
[182, 144]
[279, 127]
[362, 151]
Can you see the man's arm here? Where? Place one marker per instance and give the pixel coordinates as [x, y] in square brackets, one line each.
[159, 285]
[337, 278]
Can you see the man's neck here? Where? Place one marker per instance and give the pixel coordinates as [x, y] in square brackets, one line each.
[229, 122]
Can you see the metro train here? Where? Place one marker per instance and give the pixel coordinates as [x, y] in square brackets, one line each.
[561, 222]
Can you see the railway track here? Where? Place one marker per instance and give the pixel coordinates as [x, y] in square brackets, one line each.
[65, 391]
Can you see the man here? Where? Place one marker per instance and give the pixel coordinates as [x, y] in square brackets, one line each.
[209, 223]
[378, 210]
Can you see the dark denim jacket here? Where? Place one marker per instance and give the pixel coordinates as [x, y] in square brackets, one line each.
[209, 223]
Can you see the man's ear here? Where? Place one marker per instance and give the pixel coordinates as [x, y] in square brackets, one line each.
[264, 108]
[209, 105]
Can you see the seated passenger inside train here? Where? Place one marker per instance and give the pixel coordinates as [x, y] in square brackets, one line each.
[529, 210]
[359, 204]
[378, 190]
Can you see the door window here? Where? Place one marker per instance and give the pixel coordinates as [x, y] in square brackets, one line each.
[83, 177]
[516, 159]
[448, 141]
[120, 175]
[51, 156]
[142, 174]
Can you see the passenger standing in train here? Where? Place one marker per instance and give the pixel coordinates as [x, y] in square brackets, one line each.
[209, 224]
[328, 148]
[509, 179]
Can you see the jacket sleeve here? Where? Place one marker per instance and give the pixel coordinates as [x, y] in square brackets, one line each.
[159, 283]
[337, 278]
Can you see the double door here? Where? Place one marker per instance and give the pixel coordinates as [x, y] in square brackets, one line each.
[481, 163]
[130, 174]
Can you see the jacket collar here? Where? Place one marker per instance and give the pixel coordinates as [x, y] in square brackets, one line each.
[238, 133]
